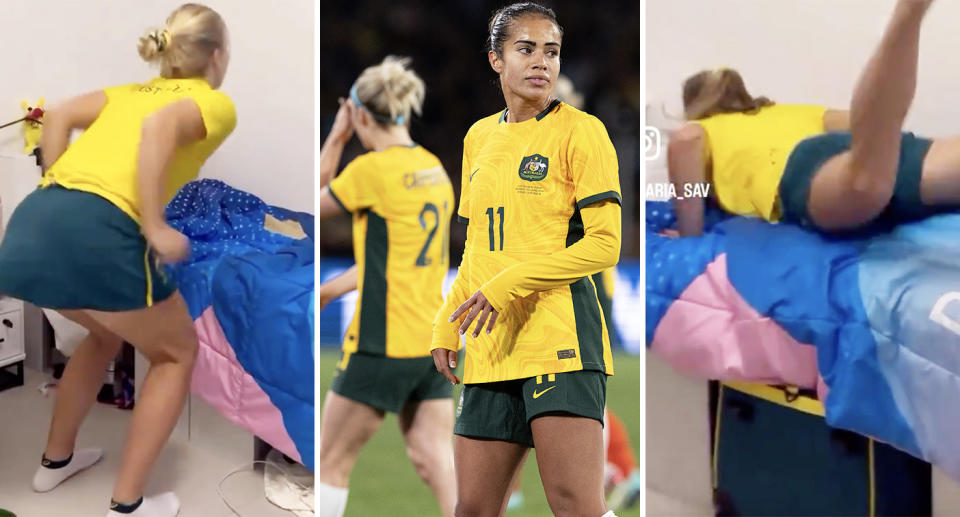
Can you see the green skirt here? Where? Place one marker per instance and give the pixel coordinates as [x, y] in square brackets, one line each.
[69, 249]
[809, 155]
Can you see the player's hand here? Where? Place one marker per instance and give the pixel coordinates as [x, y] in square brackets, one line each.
[342, 128]
[446, 361]
[670, 232]
[170, 245]
[474, 306]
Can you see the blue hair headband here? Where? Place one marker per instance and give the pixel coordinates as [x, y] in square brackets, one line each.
[377, 116]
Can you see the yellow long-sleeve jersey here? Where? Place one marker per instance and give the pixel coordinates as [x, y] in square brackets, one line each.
[542, 202]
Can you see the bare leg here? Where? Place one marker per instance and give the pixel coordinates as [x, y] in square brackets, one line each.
[855, 187]
[427, 427]
[80, 384]
[486, 470]
[570, 457]
[345, 427]
[164, 334]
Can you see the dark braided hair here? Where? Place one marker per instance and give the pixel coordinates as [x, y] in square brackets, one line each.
[502, 20]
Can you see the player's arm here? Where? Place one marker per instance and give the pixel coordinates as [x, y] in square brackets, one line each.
[337, 287]
[355, 189]
[76, 113]
[446, 330]
[176, 124]
[599, 249]
[329, 157]
[686, 164]
[329, 205]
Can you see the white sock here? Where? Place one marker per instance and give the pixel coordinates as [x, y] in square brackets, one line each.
[333, 500]
[609, 514]
[161, 505]
[46, 479]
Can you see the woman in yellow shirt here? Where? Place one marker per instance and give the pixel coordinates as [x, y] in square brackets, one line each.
[540, 194]
[831, 170]
[89, 241]
[402, 203]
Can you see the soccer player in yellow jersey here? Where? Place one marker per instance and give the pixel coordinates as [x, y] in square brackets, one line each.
[402, 203]
[830, 170]
[541, 197]
[87, 242]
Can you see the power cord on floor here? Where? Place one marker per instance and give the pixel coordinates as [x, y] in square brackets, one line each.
[249, 466]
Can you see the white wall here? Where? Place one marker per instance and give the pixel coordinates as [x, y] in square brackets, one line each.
[799, 51]
[60, 48]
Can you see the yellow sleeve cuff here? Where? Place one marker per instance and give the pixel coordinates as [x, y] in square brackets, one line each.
[495, 293]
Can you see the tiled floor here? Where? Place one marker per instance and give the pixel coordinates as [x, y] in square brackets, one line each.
[190, 466]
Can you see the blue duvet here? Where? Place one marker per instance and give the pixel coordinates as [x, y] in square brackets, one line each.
[261, 287]
[883, 312]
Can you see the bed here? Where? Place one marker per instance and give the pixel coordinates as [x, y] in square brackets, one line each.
[249, 287]
[871, 323]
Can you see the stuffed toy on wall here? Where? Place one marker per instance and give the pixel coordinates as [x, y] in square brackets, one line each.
[32, 127]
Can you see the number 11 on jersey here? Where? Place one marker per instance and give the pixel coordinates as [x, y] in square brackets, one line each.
[490, 217]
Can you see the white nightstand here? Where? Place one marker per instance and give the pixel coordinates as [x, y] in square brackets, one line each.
[12, 351]
[19, 176]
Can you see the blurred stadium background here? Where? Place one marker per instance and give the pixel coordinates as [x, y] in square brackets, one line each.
[601, 55]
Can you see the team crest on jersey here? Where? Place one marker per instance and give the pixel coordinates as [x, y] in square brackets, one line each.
[534, 168]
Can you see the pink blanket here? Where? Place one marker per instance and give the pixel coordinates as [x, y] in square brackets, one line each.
[710, 331]
[221, 381]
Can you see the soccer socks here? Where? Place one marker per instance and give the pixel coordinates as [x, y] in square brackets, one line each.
[163, 505]
[609, 514]
[333, 500]
[52, 473]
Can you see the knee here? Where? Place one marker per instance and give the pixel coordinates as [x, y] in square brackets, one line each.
[562, 500]
[467, 508]
[333, 469]
[107, 344]
[568, 501]
[420, 462]
[869, 190]
[428, 462]
[188, 350]
[178, 349]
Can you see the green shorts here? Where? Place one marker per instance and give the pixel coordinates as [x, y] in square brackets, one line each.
[503, 410]
[388, 384]
[809, 155]
[68, 249]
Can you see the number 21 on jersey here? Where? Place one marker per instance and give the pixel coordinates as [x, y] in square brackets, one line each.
[438, 220]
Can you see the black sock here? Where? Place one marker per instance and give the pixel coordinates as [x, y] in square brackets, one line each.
[55, 464]
[125, 508]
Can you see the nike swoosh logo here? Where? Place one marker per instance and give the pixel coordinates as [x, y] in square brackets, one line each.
[472, 173]
[536, 394]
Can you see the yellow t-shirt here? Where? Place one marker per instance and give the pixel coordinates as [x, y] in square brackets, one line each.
[402, 204]
[103, 160]
[524, 185]
[749, 153]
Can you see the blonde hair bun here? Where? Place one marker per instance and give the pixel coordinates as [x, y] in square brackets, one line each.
[152, 44]
[185, 46]
[391, 89]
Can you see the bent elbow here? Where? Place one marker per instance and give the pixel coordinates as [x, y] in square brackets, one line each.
[609, 247]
